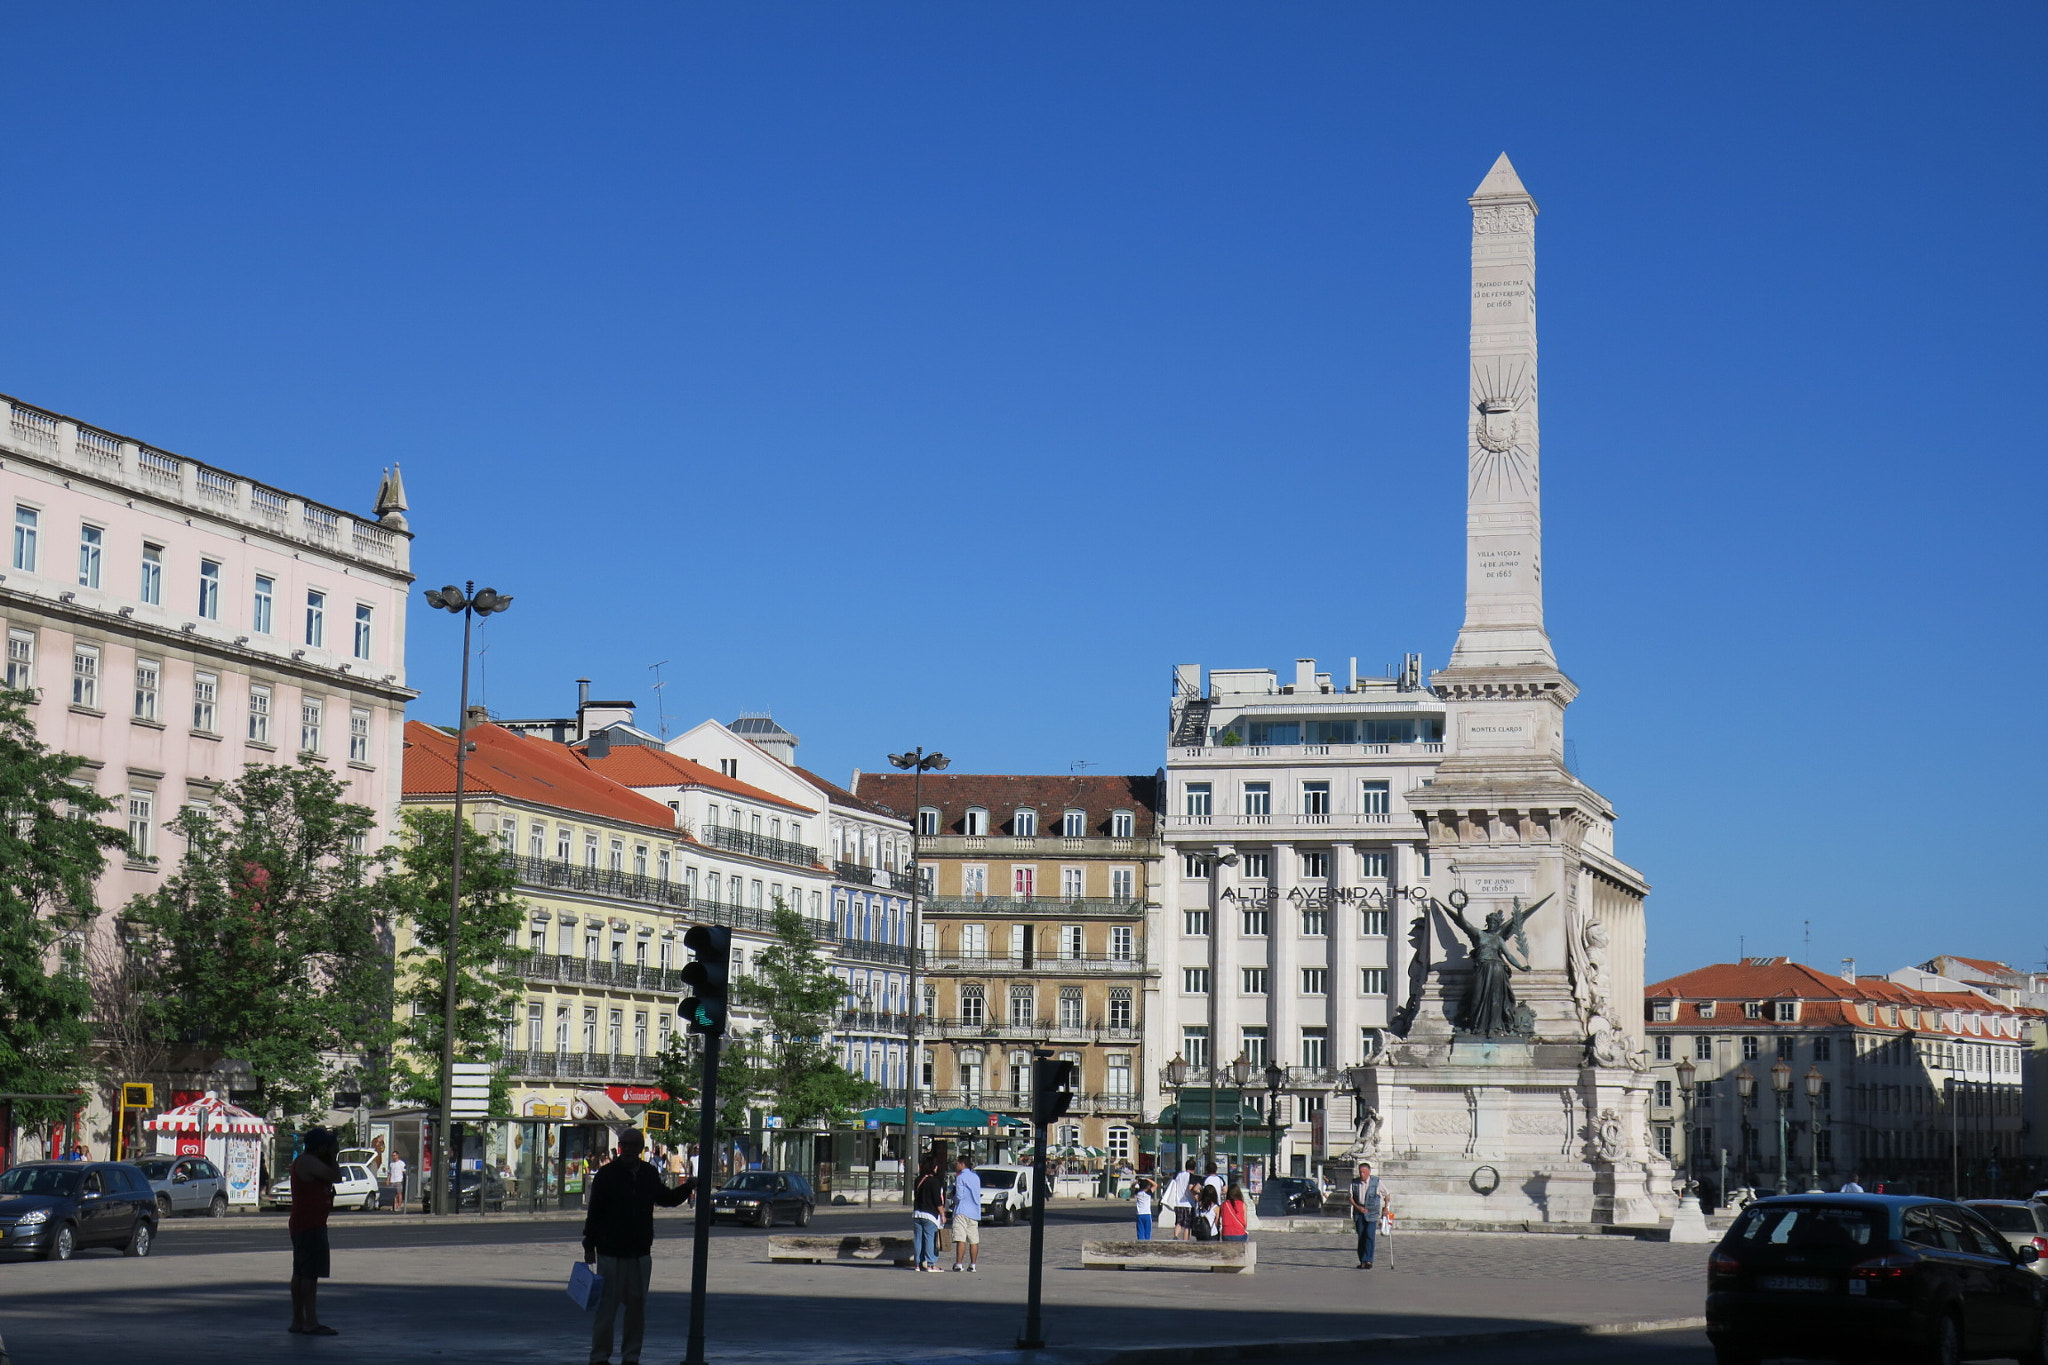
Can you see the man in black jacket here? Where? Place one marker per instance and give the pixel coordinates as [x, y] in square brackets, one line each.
[618, 1234]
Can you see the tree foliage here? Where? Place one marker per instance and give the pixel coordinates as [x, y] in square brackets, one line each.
[797, 994]
[268, 945]
[53, 847]
[416, 889]
[679, 1069]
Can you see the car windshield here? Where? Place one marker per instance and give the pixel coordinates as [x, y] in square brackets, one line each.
[2007, 1217]
[1806, 1225]
[50, 1180]
[751, 1180]
[156, 1170]
[998, 1180]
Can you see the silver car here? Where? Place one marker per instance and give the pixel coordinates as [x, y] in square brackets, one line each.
[186, 1184]
[2020, 1222]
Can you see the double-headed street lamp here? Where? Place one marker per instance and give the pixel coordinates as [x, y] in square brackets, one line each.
[1175, 1074]
[1687, 1075]
[1240, 1077]
[1276, 1076]
[1781, 1083]
[917, 763]
[468, 603]
[1745, 1086]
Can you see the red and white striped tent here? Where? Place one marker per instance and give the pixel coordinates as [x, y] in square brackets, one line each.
[227, 1135]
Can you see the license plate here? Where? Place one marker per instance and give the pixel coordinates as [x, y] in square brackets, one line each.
[1803, 1284]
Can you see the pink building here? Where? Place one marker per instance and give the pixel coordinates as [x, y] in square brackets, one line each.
[177, 622]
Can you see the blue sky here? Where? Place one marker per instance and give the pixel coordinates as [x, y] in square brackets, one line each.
[945, 373]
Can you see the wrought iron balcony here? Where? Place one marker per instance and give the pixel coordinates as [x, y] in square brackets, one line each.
[1078, 907]
[867, 950]
[853, 872]
[1042, 964]
[593, 971]
[873, 1021]
[758, 845]
[553, 873]
[1047, 1030]
[593, 1066]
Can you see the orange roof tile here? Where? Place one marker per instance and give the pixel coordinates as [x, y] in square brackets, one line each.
[643, 765]
[518, 768]
[1827, 999]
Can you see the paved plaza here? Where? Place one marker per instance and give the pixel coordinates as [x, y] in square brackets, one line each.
[409, 1291]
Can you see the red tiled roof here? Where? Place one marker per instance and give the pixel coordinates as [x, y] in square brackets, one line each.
[1984, 965]
[840, 796]
[1002, 795]
[643, 765]
[519, 768]
[1826, 999]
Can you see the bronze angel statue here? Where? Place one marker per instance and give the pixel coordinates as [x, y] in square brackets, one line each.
[1499, 949]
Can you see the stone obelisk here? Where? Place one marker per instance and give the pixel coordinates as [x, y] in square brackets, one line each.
[1541, 1112]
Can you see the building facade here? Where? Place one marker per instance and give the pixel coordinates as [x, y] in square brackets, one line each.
[1035, 935]
[1880, 1080]
[177, 622]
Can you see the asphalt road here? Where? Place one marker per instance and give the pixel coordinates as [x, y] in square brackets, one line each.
[1645, 1348]
[372, 1231]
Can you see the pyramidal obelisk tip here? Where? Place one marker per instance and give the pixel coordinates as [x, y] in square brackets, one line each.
[1501, 182]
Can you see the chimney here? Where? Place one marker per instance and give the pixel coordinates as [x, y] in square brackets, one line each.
[1304, 675]
[582, 693]
[600, 745]
[475, 716]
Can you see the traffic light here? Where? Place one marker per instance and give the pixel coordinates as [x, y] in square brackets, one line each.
[707, 974]
[1052, 1088]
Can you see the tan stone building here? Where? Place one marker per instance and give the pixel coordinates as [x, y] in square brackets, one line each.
[1034, 936]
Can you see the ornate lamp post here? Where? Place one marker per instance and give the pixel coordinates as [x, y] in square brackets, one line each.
[1687, 1074]
[469, 604]
[1175, 1074]
[1815, 1082]
[916, 762]
[1745, 1086]
[1276, 1076]
[1781, 1084]
[1240, 1077]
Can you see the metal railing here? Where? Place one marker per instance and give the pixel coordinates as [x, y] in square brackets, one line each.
[1049, 964]
[605, 1066]
[1078, 906]
[854, 872]
[873, 1021]
[758, 845]
[1046, 1029]
[867, 950]
[596, 971]
[567, 876]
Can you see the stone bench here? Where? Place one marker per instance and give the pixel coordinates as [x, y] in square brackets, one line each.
[1230, 1258]
[895, 1250]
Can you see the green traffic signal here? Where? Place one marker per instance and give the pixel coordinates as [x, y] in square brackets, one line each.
[708, 975]
[1052, 1088]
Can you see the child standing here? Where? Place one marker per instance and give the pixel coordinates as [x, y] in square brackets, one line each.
[1142, 1204]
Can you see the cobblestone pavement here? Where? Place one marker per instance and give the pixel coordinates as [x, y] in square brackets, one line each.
[503, 1300]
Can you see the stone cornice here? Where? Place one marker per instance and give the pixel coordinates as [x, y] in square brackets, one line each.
[162, 637]
[1504, 684]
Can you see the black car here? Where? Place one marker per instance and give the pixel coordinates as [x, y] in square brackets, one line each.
[1857, 1276]
[483, 1190]
[1288, 1194]
[762, 1197]
[54, 1208]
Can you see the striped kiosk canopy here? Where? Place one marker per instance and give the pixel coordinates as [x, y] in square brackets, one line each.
[209, 1114]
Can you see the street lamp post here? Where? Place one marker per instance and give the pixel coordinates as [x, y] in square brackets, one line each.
[1276, 1076]
[1745, 1086]
[1814, 1083]
[1240, 1076]
[1176, 1076]
[1781, 1084]
[468, 603]
[1687, 1075]
[917, 763]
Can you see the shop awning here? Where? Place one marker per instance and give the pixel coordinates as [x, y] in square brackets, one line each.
[210, 1114]
[944, 1118]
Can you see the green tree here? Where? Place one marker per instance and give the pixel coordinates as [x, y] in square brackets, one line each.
[269, 945]
[487, 982]
[52, 849]
[796, 992]
[679, 1069]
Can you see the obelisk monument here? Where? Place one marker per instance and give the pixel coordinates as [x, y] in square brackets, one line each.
[1537, 1108]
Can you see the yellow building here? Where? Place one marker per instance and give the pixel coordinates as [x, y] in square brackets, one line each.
[1034, 937]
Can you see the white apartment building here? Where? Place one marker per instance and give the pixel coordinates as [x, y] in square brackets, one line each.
[1288, 842]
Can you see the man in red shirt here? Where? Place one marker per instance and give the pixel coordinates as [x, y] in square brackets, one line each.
[313, 1177]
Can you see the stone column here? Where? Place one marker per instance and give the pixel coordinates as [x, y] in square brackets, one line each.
[1224, 958]
[1283, 982]
[1404, 871]
[1342, 921]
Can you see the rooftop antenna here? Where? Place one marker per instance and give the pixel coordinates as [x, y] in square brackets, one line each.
[1081, 765]
[660, 707]
[1807, 954]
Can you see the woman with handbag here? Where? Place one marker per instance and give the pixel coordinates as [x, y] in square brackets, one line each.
[928, 1215]
[1233, 1216]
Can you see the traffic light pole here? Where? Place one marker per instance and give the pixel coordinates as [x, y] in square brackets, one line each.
[1033, 1337]
[707, 1172]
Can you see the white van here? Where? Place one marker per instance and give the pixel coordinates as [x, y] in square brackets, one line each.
[1005, 1194]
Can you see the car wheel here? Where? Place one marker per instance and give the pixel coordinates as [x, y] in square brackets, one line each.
[63, 1242]
[803, 1215]
[1947, 1346]
[218, 1208]
[163, 1206]
[766, 1217]
[370, 1203]
[139, 1241]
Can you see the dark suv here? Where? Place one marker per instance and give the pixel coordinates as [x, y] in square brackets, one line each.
[1869, 1275]
[762, 1197]
[54, 1208]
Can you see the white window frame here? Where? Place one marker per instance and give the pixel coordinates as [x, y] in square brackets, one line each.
[359, 738]
[316, 618]
[1198, 801]
[365, 620]
[1024, 824]
[150, 586]
[1122, 825]
[209, 590]
[260, 706]
[92, 554]
[1074, 824]
[85, 676]
[974, 823]
[312, 721]
[1374, 798]
[28, 530]
[1315, 980]
[1194, 981]
[263, 605]
[141, 823]
[21, 660]
[148, 688]
[206, 703]
[1123, 883]
[1372, 980]
[1253, 980]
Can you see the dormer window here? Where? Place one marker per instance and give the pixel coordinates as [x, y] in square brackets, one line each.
[975, 822]
[1024, 824]
[1660, 1011]
[1788, 1011]
[927, 822]
[1706, 1009]
[1074, 825]
[1752, 1009]
[1122, 825]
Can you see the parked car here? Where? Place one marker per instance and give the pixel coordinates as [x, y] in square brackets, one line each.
[762, 1197]
[186, 1184]
[1860, 1276]
[1005, 1194]
[357, 1189]
[1289, 1194]
[2021, 1222]
[479, 1188]
[55, 1208]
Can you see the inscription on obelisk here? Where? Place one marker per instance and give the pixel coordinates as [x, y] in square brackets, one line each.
[1503, 509]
